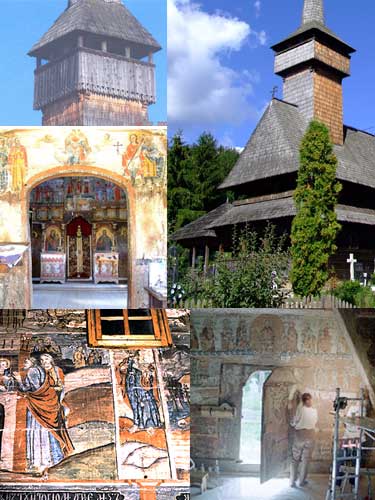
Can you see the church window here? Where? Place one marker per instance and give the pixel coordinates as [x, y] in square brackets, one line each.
[132, 328]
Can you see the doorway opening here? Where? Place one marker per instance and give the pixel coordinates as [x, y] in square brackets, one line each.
[79, 231]
[251, 423]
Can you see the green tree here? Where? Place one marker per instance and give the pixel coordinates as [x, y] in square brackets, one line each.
[194, 173]
[315, 226]
[179, 195]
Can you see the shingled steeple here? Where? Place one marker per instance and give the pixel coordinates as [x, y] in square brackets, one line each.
[313, 61]
[313, 11]
[95, 66]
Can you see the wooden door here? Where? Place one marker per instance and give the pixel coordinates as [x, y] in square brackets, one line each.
[276, 430]
[79, 267]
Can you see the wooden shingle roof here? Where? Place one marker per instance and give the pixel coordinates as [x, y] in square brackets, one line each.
[199, 227]
[285, 207]
[273, 149]
[98, 17]
[276, 207]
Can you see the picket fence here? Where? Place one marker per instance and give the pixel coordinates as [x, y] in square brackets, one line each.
[325, 302]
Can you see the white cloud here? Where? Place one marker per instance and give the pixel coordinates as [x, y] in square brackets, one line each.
[202, 88]
[257, 7]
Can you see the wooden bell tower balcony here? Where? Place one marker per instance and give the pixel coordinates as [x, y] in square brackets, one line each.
[95, 67]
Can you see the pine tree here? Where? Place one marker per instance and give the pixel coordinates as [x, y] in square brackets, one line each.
[315, 227]
[194, 173]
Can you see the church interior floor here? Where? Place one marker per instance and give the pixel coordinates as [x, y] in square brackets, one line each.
[76, 295]
[249, 488]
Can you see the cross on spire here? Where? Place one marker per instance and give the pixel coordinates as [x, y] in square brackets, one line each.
[313, 10]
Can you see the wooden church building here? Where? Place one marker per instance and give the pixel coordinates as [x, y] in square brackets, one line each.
[312, 61]
[94, 66]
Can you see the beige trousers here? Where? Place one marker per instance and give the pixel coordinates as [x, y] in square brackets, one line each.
[303, 446]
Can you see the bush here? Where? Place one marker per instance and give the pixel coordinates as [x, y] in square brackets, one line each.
[356, 294]
[251, 275]
[348, 291]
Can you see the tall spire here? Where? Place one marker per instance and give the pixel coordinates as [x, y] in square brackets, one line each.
[313, 11]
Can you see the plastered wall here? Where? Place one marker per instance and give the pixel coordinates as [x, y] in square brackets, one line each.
[307, 349]
[132, 158]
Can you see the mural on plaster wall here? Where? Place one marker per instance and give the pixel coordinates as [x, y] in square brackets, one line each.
[143, 157]
[56, 411]
[118, 185]
[153, 413]
[13, 164]
[77, 148]
[140, 154]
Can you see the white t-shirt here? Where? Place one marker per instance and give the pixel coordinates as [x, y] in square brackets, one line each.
[305, 418]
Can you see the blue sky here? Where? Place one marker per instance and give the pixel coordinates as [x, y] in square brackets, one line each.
[23, 22]
[233, 39]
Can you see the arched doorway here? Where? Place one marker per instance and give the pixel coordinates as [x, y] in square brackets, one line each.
[79, 229]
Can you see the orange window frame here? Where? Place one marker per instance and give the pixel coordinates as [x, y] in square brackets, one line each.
[161, 336]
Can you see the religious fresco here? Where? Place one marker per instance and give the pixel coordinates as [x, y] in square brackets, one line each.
[306, 351]
[53, 239]
[56, 399]
[77, 148]
[71, 415]
[114, 175]
[152, 407]
[13, 164]
[105, 240]
[144, 157]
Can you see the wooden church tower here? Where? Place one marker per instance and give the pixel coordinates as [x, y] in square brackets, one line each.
[95, 67]
[313, 62]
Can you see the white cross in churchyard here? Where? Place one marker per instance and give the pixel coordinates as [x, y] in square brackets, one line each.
[351, 261]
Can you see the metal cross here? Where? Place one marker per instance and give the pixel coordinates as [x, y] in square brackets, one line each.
[274, 91]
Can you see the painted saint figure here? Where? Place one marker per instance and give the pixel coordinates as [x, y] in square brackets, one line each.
[7, 384]
[18, 163]
[133, 151]
[79, 251]
[52, 241]
[7, 380]
[77, 147]
[151, 158]
[4, 176]
[48, 441]
[104, 243]
[79, 359]
[140, 390]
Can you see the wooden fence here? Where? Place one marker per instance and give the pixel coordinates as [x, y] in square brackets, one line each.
[327, 302]
[324, 302]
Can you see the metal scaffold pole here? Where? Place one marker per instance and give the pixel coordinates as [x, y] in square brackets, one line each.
[347, 453]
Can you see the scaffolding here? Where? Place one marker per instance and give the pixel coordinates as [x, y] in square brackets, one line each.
[342, 475]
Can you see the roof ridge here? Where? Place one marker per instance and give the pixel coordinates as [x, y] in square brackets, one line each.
[355, 129]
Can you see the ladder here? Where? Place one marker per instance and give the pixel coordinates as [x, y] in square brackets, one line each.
[336, 492]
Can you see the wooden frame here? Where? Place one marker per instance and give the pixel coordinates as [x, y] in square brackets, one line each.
[161, 336]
